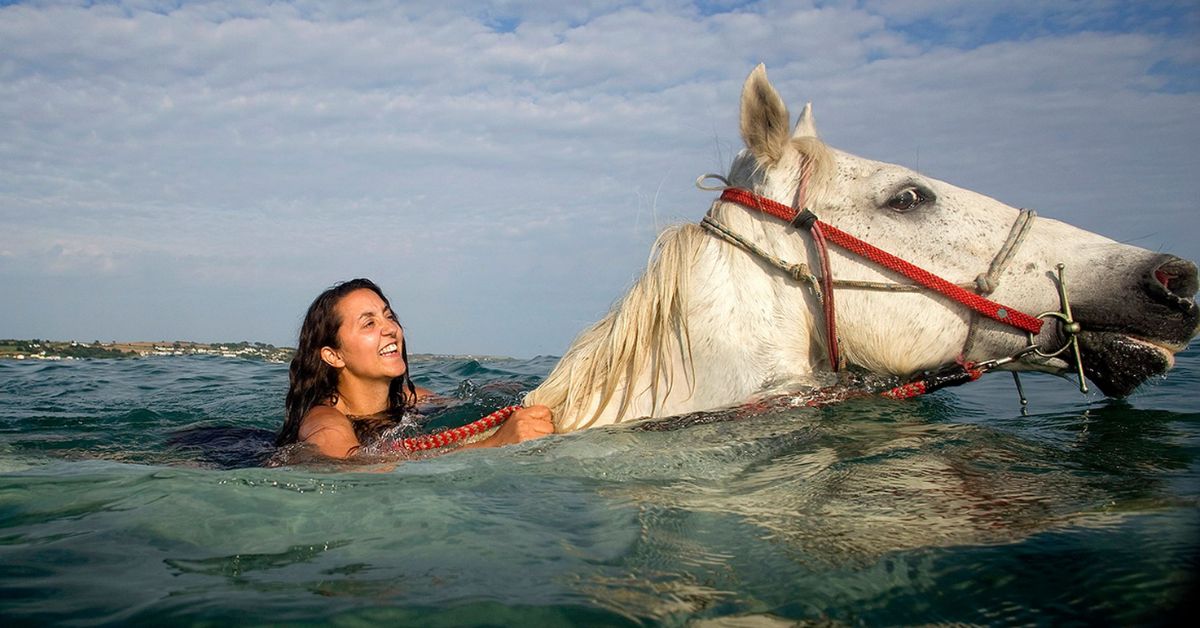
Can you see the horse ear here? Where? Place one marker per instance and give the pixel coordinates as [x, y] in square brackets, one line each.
[765, 118]
[805, 126]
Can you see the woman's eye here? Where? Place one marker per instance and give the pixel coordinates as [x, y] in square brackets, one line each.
[907, 199]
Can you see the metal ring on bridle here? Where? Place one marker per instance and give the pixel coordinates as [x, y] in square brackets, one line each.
[1069, 327]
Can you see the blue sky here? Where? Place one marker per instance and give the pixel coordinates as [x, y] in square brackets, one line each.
[200, 171]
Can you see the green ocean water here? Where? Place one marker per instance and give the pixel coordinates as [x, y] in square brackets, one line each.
[132, 492]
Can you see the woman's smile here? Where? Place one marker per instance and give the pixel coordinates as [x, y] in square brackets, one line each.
[371, 340]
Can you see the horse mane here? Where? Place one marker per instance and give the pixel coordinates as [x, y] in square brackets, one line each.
[641, 333]
[637, 336]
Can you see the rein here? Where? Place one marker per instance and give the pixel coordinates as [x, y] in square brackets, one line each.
[807, 220]
[961, 371]
[958, 373]
[449, 437]
[821, 231]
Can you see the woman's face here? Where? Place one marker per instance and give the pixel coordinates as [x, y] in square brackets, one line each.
[371, 340]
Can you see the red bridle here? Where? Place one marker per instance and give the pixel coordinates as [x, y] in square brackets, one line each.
[821, 232]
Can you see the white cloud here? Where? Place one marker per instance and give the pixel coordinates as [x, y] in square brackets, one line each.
[465, 153]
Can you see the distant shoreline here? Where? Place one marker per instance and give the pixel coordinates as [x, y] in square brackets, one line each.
[38, 349]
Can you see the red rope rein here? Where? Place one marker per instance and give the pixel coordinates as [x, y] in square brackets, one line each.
[954, 375]
[981, 304]
[827, 302]
[448, 437]
[987, 307]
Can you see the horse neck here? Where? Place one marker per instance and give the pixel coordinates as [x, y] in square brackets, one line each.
[704, 326]
[769, 316]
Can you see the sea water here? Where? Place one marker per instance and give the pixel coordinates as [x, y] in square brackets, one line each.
[134, 492]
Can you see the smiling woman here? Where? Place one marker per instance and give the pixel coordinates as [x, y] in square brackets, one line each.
[349, 379]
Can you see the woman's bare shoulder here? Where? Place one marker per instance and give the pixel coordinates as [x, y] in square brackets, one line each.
[320, 417]
[330, 431]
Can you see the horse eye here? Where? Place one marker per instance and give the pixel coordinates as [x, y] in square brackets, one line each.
[906, 200]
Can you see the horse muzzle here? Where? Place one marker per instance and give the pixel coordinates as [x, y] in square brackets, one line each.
[1137, 335]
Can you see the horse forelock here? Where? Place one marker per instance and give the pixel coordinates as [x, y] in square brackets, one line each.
[780, 180]
[818, 159]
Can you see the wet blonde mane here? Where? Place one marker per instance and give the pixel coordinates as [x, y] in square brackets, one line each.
[638, 336]
[639, 345]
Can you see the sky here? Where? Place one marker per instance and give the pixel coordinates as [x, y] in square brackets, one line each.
[202, 170]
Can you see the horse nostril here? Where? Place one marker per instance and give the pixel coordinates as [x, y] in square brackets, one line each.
[1163, 277]
[1174, 281]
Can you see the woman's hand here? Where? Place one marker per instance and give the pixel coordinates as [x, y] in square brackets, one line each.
[525, 424]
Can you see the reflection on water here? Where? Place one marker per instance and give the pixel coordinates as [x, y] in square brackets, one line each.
[135, 498]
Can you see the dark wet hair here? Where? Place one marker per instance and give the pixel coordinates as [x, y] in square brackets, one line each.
[312, 381]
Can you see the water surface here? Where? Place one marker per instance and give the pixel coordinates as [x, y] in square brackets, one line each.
[132, 492]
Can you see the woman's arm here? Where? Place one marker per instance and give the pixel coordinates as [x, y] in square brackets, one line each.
[327, 429]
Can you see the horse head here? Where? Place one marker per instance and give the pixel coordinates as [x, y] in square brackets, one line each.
[1130, 309]
[741, 304]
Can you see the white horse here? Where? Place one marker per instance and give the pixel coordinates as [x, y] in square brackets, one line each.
[712, 322]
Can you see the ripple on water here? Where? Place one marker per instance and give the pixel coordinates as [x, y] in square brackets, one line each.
[139, 489]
